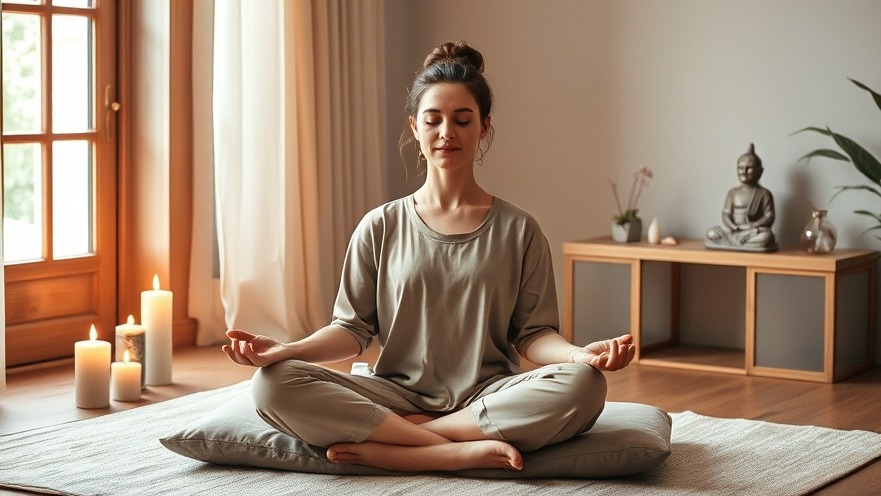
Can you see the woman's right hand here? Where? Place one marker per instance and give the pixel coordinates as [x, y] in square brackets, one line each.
[250, 349]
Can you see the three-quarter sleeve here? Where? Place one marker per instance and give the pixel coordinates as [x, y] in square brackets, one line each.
[355, 306]
[536, 311]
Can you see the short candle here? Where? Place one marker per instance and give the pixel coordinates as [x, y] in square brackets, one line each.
[91, 372]
[125, 379]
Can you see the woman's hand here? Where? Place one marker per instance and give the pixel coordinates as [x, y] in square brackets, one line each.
[607, 355]
[258, 351]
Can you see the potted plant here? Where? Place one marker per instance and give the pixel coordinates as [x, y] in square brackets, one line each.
[627, 226]
[863, 161]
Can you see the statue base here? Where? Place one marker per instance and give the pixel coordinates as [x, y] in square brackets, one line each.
[755, 249]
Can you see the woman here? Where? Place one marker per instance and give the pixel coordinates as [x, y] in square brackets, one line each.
[454, 282]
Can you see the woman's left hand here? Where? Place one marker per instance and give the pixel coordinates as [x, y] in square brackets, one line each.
[607, 355]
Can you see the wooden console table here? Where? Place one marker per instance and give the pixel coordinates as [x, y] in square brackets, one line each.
[790, 297]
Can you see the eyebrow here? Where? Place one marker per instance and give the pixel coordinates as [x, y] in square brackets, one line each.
[434, 110]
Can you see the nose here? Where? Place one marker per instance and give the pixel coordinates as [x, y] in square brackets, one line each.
[446, 130]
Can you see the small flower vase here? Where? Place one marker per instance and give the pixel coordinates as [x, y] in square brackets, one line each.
[819, 234]
[627, 232]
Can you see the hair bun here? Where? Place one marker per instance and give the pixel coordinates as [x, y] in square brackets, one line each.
[455, 51]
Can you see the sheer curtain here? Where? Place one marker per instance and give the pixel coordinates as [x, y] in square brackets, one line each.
[296, 146]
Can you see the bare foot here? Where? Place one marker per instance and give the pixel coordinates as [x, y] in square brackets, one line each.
[448, 456]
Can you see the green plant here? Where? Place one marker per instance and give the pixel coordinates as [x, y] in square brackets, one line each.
[862, 160]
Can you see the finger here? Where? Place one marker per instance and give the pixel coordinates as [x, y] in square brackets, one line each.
[626, 338]
[230, 352]
[631, 353]
[623, 351]
[248, 351]
[239, 334]
[613, 354]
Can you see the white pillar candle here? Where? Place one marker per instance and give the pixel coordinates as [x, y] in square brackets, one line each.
[125, 379]
[130, 338]
[156, 318]
[91, 372]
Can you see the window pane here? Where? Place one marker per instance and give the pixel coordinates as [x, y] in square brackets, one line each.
[71, 198]
[73, 3]
[22, 73]
[22, 202]
[71, 73]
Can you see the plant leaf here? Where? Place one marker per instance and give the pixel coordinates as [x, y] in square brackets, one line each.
[875, 96]
[868, 214]
[864, 187]
[827, 153]
[864, 161]
[815, 129]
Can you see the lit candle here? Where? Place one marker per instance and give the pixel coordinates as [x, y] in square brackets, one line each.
[130, 339]
[91, 372]
[125, 379]
[156, 318]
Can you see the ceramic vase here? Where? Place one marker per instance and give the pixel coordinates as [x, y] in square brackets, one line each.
[653, 234]
[628, 232]
[819, 234]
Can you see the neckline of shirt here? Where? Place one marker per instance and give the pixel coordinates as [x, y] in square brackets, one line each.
[450, 238]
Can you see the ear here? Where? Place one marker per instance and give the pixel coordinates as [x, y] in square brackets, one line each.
[412, 122]
[486, 123]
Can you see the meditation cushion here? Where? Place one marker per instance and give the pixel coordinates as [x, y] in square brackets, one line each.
[627, 438]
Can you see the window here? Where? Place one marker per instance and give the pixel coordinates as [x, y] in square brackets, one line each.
[59, 174]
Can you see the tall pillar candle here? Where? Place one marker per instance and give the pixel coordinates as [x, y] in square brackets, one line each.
[156, 317]
[130, 338]
[91, 372]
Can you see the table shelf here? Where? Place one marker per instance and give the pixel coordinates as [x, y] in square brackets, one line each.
[693, 357]
[807, 317]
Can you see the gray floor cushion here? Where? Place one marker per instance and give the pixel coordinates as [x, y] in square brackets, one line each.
[627, 438]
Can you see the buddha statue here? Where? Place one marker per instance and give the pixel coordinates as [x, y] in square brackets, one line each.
[748, 213]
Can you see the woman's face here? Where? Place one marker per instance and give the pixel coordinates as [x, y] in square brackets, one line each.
[448, 126]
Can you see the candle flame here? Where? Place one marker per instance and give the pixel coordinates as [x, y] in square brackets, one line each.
[125, 357]
[93, 334]
[156, 281]
[131, 320]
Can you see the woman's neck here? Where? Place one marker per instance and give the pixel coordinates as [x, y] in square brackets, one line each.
[450, 191]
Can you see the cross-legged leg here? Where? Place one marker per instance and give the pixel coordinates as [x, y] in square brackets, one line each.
[354, 416]
[528, 411]
[531, 410]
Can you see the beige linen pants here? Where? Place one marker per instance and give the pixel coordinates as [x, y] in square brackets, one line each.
[529, 410]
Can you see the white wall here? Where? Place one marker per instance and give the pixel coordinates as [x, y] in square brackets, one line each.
[591, 89]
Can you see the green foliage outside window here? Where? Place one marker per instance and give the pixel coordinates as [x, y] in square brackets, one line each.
[21, 112]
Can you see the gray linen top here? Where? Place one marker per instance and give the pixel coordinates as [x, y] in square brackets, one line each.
[449, 310]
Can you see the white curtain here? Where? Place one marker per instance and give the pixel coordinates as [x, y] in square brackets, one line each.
[204, 302]
[298, 156]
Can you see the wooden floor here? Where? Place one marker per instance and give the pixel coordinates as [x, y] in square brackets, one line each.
[44, 397]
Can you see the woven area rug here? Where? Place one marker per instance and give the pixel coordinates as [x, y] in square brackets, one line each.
[119, 454]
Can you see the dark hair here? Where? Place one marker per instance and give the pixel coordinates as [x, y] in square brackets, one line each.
[451, 62]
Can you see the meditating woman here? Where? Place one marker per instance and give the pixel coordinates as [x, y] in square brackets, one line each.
[454, 283]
